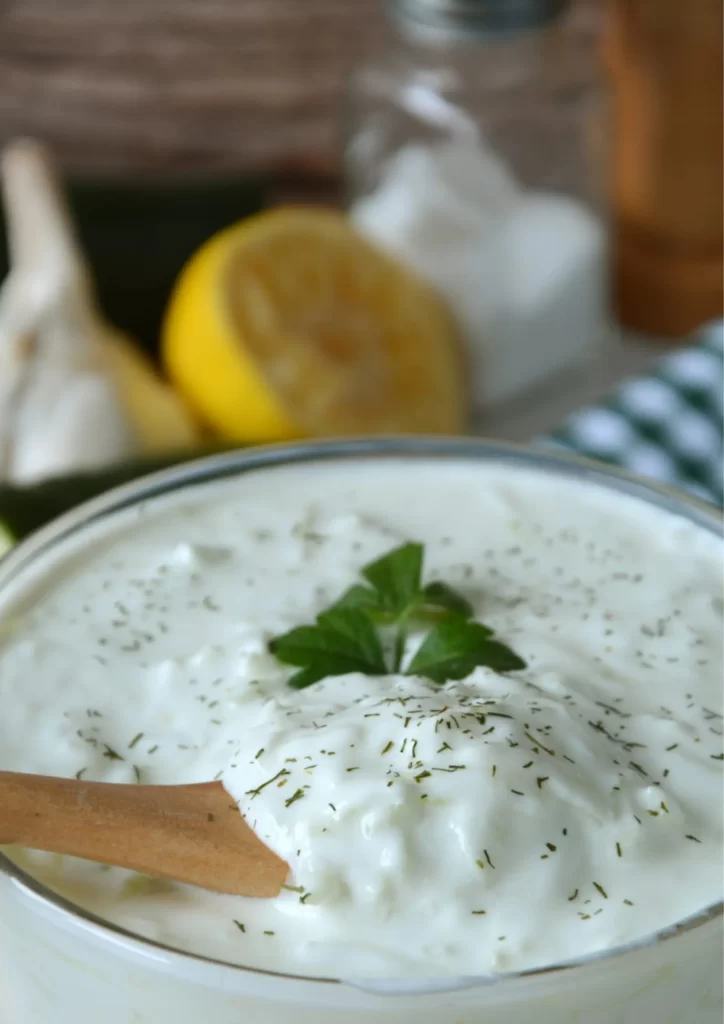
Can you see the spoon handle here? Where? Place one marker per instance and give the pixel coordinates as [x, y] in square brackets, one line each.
[193, 834]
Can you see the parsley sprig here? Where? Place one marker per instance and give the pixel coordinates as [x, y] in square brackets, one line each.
[347, 636]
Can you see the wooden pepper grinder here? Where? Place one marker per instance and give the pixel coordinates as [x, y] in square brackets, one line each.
[665, 61]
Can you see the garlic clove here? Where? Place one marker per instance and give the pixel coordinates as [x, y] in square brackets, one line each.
[74, 392]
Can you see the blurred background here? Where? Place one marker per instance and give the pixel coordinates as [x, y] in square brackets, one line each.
[545, 176]
[159, 87]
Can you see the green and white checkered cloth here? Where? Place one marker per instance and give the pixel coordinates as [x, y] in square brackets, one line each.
[667, 425]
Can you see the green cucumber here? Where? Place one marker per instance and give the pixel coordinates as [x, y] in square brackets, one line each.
[6, 539]
[25, 509]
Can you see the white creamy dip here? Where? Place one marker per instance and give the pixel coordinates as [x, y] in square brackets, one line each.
[492, 824]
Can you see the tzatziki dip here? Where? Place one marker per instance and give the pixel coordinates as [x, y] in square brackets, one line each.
[520, 767]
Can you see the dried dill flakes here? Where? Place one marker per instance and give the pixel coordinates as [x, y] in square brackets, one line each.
[255, 792]
[240, 926]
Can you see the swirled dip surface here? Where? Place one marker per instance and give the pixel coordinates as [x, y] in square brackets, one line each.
[491, 824]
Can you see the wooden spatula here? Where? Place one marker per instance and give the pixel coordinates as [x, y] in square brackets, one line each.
[192, 834]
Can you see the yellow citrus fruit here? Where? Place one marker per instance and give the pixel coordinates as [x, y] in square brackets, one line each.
[290, 324]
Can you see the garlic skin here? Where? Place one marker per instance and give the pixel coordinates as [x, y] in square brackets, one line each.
[75, 394]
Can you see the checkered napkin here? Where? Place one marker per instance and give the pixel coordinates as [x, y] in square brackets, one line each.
[668, 425]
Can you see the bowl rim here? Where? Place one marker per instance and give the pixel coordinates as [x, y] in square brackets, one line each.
[227, 465]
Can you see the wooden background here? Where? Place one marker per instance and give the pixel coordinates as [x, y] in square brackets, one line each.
[148, 87]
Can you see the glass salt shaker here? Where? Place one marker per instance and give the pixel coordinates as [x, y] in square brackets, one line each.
[474, 152]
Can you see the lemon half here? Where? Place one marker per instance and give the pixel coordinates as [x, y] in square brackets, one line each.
[290, 324]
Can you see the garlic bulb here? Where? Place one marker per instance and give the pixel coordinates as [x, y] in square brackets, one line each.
[74, 393]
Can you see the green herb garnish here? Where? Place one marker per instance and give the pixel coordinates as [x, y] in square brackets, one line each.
[343, 640]
[396, 594]
[455, 647]
[346, 638]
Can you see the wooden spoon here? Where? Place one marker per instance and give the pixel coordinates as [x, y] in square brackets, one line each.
[193, 834]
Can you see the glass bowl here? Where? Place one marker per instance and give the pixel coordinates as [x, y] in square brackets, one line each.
[60, 964]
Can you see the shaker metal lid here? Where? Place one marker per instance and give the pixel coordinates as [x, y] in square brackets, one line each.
[468, 19]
